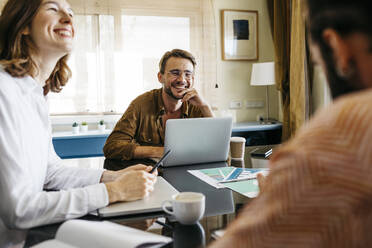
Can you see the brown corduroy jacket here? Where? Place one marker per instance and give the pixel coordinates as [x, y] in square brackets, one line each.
[142, 125]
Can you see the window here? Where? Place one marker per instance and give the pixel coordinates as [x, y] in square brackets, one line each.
[118, 49]
[108, 76]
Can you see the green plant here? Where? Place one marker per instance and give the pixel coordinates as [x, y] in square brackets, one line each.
[101, 122]
[84, 123]
[75, 124]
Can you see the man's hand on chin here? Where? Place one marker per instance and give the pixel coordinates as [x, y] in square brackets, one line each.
[192, 96]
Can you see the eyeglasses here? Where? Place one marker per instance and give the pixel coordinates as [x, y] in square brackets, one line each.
[177, 73]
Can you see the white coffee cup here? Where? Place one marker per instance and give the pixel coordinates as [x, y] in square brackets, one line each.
[188, 207]
[237, 147]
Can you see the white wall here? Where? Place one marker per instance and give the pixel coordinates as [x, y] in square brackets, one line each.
[233, 77]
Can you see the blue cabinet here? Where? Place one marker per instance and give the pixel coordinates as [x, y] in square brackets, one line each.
[91, 144]
[257, 134]
[80, 146]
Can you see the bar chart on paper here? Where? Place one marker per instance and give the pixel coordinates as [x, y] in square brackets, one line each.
[241, 180]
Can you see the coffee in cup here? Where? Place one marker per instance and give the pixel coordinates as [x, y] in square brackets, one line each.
[237, 147]
[188, 207]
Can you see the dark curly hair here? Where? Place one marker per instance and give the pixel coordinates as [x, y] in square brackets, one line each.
[345, 17]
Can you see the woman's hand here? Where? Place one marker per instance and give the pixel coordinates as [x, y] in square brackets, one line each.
[131, 185]
[109, 176]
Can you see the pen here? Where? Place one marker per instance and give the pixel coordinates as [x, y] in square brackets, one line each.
[237, 180]
[160, 161]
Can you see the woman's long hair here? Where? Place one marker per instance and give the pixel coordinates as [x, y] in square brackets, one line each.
[16, 49]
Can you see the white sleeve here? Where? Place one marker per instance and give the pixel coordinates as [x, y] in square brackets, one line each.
[23, 203]
[62, 177]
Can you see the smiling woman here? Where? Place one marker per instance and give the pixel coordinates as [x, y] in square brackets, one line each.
[35, 39]
[57, 33]
[15, 58]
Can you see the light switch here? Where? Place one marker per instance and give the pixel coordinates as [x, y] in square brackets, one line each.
[235, 104]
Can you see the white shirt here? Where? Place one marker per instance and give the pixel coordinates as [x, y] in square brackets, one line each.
[29, 164]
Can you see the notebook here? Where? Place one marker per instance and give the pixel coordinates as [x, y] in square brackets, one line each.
[162, 191]
[97, 234]
[197, 140]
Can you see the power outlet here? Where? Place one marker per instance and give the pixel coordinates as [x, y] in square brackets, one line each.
[235, 104]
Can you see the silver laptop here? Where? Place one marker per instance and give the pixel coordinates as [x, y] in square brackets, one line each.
[162, 191]
[197, 140]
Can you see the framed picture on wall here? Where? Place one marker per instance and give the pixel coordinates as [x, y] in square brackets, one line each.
[239, 34]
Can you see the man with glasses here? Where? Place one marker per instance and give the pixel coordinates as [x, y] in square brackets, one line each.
[140, 131]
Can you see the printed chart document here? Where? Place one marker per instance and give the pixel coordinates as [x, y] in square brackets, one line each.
[241, 180]
[96, 234]
[248, 188]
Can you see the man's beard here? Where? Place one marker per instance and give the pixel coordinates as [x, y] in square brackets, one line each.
[339, 85]
[169, 92]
